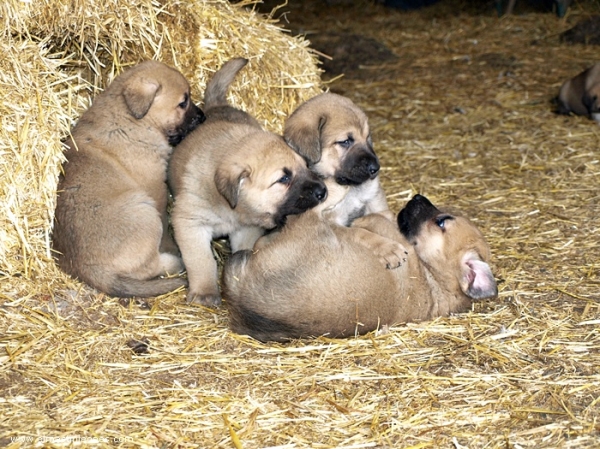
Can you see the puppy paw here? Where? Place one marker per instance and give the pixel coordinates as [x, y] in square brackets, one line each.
[204, 300]
[390, 253]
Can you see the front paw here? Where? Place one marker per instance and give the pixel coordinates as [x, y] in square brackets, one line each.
[391, 254]
[207, 300]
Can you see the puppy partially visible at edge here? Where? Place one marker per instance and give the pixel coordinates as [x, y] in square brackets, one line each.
[333, 135]
[581, 94]
[232, 178]
[341, 289]
[110, 227]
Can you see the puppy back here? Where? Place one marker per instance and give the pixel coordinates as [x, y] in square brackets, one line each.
[216, 89]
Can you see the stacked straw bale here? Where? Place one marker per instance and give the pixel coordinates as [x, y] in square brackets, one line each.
[56, 55]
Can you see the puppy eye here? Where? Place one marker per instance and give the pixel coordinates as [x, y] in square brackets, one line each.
[346, 143]
[185, 101]
[286, 178]
[441, 221]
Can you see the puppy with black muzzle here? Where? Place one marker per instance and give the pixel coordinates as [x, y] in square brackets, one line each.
[341, 288]
[333, 135]
[232, 178]
[580, 94]
[110, 227]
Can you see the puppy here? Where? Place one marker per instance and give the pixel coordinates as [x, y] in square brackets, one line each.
[232, 178]
[110, 226]
[332, 134]
[579, 95]
[340, 288]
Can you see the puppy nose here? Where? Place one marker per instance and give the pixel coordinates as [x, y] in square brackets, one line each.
[373, 168]
[320, 192]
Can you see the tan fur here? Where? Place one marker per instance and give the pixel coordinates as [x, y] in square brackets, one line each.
[110, 226]
[581, 94]
[333, 135]
[314, 279]
[232, 178]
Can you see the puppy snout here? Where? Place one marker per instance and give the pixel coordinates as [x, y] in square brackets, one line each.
[197, 117]
[359, 166]
[193, 117]
[373, 167]
[319, 192]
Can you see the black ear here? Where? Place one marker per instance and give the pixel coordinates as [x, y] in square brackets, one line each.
[139, 95]
[228, 182]
[303, 133]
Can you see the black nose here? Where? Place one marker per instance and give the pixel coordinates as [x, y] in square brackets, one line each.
[320, 192]
[373, 168]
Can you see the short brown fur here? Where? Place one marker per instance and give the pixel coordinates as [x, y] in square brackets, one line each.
[232, 178]
[340, 288]
[110, 226]
[333, 135]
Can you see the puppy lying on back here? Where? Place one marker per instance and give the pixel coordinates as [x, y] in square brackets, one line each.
[333, 135]
[341, 289]
[110, 226]
[232, 178]
[579, 94]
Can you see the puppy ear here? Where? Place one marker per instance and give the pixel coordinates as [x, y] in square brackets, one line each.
[139, 95]
[229, 182]
[303, 134]
[477, 280]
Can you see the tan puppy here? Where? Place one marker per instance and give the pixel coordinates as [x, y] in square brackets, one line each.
[333, 135]
[580, 94]
[110, 226]
[232, 178]
[341, 289]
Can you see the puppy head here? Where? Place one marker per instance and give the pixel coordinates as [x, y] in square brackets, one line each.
[333, 135]
[268, 181]
[160, 95]
[451, 246]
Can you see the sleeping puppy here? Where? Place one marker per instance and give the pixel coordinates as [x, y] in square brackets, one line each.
[110, 227]
[333, 135]
[232, 178]
[341, 288]
[579, 94]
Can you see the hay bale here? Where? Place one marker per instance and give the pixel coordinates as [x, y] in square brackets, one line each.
[57, 54]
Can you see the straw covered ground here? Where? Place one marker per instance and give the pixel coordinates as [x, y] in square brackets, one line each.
[461, 112]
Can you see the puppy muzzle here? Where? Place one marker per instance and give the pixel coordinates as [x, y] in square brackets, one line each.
[303, 195]
[193, 118]
[359, 166]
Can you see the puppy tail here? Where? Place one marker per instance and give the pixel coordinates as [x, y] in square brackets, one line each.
[126, 287]
[216, 89]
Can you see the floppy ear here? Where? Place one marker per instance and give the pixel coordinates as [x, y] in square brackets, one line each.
[477, 281]
[229, 182]
[303, 134]
[139, 95]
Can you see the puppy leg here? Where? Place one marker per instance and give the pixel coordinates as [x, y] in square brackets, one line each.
[200, 264]
[167, 243]
[370, 230]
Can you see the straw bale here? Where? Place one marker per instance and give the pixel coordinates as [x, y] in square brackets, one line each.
[57, 54]
[463, 116]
